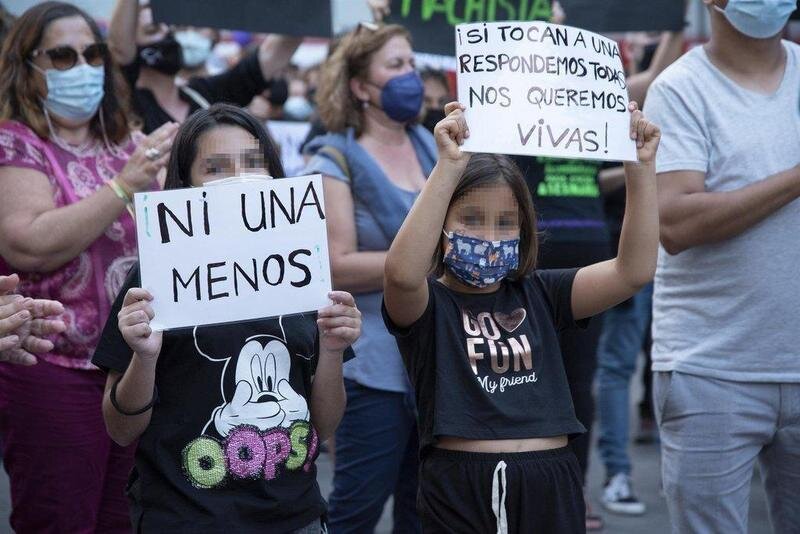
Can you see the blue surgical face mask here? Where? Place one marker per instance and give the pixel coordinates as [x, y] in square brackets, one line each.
[759, 19]
[76, 93]
[480, 263]
[401, 97]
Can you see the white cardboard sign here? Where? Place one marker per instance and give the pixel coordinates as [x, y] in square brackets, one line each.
[234, 252]
[533, 88]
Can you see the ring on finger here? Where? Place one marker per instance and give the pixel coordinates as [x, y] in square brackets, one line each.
[152, 153]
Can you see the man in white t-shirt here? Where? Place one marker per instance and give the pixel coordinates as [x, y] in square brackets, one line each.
[726, 345]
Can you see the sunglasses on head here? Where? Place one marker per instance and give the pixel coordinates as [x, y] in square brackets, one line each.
[66, 57]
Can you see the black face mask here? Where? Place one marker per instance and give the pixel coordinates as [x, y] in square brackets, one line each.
[164, 56]
[432, 117]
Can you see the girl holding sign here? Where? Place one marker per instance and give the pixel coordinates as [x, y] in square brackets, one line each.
[230, 417]
[479, 337]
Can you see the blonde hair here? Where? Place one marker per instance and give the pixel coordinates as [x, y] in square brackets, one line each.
[338, 108]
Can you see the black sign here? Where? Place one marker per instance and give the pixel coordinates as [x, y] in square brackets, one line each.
[287, 17]
[431, 22]
[625, 15]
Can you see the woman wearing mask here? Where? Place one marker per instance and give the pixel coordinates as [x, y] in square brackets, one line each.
[374, 165]
[69, 165]
[152, 55]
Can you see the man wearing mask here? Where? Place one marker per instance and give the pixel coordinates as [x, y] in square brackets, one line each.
[726, 350]
[151, 55]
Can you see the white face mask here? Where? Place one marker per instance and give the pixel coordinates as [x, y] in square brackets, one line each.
[297, 108]
[76, 93]
[758, 19]
[242, 178]
[196, 47]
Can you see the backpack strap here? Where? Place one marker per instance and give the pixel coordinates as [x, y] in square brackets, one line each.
[197, 97]
[336, 155]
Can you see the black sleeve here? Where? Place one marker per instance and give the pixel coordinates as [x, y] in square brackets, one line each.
[113, 352]
[414, 341]
[237, 86]
[556, 284]
[131, 72]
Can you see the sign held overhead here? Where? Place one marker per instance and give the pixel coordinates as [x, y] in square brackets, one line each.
[540, 89]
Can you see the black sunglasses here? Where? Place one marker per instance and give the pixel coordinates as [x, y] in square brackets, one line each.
[65, 57]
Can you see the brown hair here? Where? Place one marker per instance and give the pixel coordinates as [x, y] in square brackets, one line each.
[19, 98]
[338, 107]
[492, 169]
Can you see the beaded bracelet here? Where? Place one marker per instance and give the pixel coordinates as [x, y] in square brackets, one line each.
[119, 191]
[116, 406]
[122, 193]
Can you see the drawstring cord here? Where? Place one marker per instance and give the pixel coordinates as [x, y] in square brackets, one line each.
[498, 500]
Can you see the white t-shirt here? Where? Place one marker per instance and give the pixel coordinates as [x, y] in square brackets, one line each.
[729, 310]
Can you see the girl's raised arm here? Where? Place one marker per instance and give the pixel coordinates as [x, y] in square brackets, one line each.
[603, 285]
[408, 261]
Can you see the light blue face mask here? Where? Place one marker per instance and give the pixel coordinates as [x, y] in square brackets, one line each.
[195, 46]
[76, 93]
[759, 19]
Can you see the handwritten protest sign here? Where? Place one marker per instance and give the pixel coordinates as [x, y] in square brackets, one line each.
[533, 88]
[234, 252]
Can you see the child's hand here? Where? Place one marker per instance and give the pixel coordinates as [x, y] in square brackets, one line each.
[134, 324]
[339, 324]
[450, 133]
[646, 134]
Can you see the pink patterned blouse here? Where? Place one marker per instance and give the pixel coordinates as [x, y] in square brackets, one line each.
[87, 284]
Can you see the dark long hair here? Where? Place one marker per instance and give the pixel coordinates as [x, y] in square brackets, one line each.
[19, 98]
[184, 148]
[492, 169]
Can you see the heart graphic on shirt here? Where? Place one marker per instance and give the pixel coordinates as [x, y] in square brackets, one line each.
[510, 321]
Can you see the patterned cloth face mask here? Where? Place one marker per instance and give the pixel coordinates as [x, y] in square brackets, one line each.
[480, 263]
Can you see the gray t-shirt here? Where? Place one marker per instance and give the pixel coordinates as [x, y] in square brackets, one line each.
[728, 310]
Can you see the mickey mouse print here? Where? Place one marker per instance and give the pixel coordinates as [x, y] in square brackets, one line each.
[262, 428]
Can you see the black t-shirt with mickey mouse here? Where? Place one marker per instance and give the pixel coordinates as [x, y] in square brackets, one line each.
[489, 366]
[230, 444]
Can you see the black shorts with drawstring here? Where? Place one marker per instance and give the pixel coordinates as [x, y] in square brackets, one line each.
[527, 492]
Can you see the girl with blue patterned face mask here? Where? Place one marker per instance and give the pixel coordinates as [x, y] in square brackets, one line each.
[478, 328]
[482, 228]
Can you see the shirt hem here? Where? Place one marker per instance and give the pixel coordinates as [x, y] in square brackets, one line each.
[721, 374]
[380, 387]
[516, 433]
[687, 165]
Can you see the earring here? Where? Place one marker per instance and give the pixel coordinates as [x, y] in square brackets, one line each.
[364, 104]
